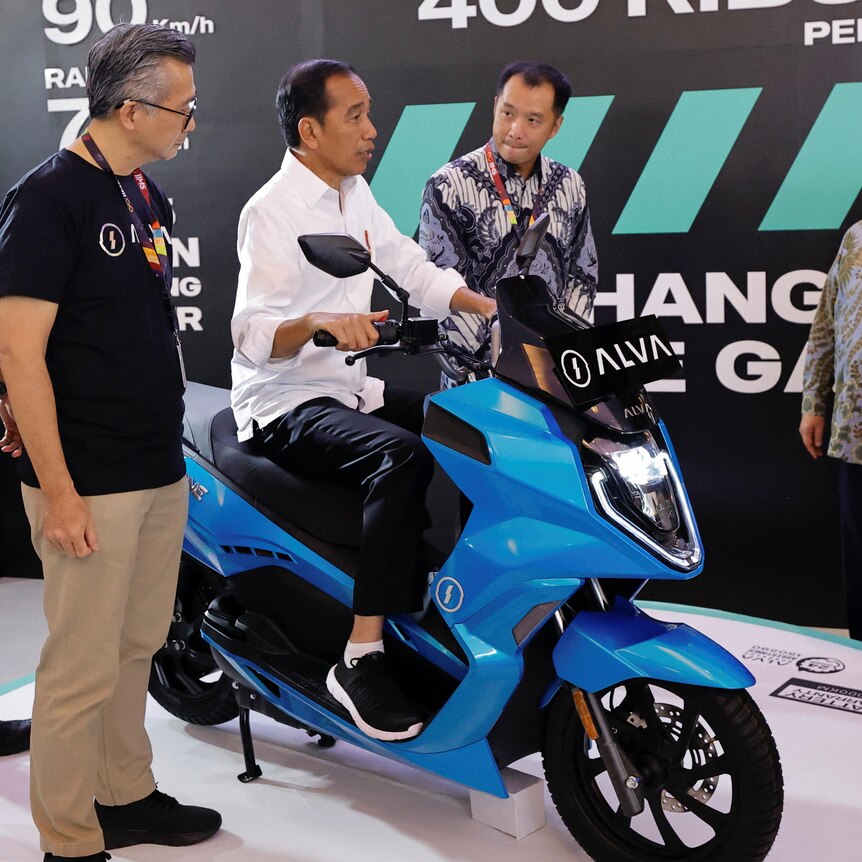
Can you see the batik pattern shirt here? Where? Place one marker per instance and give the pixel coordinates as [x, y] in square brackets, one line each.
[463, 225]
[833, 357]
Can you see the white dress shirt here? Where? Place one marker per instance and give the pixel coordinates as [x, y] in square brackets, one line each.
[277, 283]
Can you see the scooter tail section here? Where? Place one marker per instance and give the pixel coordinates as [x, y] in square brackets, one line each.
[601, 649]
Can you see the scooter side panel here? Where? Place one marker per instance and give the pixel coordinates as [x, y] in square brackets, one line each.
[601, 649]
[533, 513]
[472, 764]
[230, 536]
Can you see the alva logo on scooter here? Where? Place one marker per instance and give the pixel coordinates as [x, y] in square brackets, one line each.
[602, 360]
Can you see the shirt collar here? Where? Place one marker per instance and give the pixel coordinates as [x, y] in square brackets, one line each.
[311, 187]
[508, 170]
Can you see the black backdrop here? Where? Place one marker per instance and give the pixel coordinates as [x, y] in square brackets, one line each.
[722, 159]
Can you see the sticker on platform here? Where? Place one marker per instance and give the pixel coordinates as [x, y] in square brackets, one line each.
[821, 694]
[771, 655]
[820, 664]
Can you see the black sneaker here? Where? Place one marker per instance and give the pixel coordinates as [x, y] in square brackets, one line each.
[14, 737]
[156, 819]
[94, 857]
[370, 694]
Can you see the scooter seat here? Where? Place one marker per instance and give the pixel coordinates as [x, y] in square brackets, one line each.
[330, 512]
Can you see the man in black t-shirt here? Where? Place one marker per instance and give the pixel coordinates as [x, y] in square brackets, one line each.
[90, 354]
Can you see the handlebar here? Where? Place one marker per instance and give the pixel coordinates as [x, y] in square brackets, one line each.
[387, 329]
[415, 335]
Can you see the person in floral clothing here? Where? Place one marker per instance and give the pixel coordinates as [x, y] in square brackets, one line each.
[832, 380]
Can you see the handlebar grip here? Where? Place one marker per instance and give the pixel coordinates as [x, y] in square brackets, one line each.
[322, 338]
[386, 329]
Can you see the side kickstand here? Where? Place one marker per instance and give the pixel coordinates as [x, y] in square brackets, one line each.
[252, 770]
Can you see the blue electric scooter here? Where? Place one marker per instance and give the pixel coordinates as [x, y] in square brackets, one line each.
[530, 640]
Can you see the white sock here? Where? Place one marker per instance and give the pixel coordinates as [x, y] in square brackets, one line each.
[353, 651]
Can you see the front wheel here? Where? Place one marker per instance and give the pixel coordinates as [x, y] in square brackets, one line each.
[184, 677]
[713, 788]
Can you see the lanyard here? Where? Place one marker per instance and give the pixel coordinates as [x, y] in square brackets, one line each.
[152, 241]
[494, 171]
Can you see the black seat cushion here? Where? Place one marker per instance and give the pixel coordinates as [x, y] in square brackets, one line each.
[328, 511]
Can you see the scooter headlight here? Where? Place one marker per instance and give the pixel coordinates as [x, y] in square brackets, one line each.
[636, 487]
[642, 479]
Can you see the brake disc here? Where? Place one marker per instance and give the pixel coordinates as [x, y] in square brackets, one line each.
[701, 749]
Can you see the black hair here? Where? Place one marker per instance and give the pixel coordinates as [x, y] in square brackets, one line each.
[302, 93]
[126, 64]
[535, 74]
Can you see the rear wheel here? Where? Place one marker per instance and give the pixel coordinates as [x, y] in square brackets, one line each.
[713, 787]
[184, 677]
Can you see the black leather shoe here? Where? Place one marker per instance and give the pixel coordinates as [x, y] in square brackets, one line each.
[370, 694]
[14, 736]
[93, 857]
[156, 819]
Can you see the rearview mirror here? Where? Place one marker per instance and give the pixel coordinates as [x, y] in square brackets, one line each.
[531, 241]
[337, 254]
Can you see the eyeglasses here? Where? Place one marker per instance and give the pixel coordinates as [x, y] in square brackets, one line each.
[193, 105]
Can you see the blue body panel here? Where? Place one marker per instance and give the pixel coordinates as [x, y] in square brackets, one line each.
[533, 514]
[532, 539]
[471, 764]
[602, 649]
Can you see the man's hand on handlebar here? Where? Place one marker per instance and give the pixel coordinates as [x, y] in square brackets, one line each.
[353, 331]
[468, 300]
[490, 307]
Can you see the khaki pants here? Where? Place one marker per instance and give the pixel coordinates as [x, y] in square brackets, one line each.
[107, 614]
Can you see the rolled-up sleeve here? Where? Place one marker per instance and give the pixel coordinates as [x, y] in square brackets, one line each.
[431, 289]
[268, 279]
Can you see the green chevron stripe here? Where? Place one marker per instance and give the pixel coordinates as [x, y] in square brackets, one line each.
[826, 177]
[423, 141]
[584, 115]
[686, 161]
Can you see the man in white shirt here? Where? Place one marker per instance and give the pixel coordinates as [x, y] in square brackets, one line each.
[314, 414]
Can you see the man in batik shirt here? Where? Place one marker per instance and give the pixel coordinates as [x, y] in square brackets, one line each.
[476, 208]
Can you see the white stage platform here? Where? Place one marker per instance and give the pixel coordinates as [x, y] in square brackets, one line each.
[316, 805]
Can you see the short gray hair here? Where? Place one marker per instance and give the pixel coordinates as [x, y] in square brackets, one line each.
[126, 63]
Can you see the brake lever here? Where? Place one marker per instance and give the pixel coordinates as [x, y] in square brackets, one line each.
[351, 358]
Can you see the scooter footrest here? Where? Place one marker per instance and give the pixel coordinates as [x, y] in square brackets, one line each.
[264, 634]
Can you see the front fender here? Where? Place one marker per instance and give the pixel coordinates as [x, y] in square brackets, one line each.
[601, 649]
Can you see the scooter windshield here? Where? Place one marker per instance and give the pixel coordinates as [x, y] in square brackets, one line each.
[553, 351]
[527, 317]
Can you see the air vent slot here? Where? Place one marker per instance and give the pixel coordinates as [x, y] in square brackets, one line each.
[256, 552]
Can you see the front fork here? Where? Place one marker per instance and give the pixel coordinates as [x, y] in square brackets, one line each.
[625, 777]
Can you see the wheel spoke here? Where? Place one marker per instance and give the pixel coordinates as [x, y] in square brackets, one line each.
[644, 702]
[620, 821]
[182, 679]
[671, 840]
[161, 676]
[710, 769]
[710, 816]
[690, 718]
[594, 767]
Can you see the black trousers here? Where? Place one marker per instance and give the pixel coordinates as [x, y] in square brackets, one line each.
[850, 500]
[382, 454]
